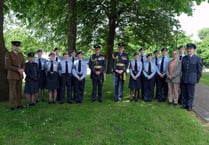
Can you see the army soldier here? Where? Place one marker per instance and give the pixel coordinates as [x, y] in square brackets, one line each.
[149, 78]
[14, 63]
[79, 72]
[41, 84]
[97, 64]
[66, 74]
[52, 78]
[120, 62]
[191, 73]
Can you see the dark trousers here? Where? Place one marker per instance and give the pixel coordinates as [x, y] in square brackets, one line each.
[188, 91]
[58, 89]
[142, 86]
[118, 86]
[155, 84]
[97, 84]
[148, 88]
[180, 100]
[162, 89]
[65, 82]
[79, 87]
[73, 91]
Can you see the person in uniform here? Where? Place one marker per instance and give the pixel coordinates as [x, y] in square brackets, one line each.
[52, 78]
[32, 77]
[97, 64]
[173, 74]
[162, 85]
[142, 58]
[73, 59]
[155, 60]
[135, 80]
[191, 74]
[79, 72]
[42, 81]
[15, 64]
[120, 63]
[66, 74]
[149, 78]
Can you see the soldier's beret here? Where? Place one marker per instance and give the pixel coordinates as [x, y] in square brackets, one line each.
[191, 45]
[65, 53]
[164, 49]
[16, 43]
[56, 49]
[136, 53]
[181, 46]
[50, 54]
[141, 49]
[149, 54]
[120, 44]
[156, 51]
[97, 46]
[39, 50]
[31, 54]
[79, 53]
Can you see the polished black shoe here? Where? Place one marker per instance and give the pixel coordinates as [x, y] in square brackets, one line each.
[93, 100]
[20, 107]
[12, 108]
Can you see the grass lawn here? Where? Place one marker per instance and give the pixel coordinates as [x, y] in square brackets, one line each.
[205, 78]
[107, 123]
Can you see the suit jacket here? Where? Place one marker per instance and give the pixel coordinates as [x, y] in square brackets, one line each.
[176, 75]
[191, 69]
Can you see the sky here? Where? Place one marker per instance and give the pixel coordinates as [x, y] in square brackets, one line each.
[199, 20]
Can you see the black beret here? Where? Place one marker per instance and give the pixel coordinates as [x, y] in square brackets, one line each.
[156, 51]
[181, 46]
[56, 49]
[149, 54]
[31, 54]
[97, 46]
[72, 51]
[164, 49]
[136, 53]
[16, 43]
[120, 44]
[79, 53]
[39, 50]
[191, 45]
[141, 49]
[65, 53]
[51, 54]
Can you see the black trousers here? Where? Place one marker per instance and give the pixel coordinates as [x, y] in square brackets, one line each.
[162, 89]
[79, 87]
[148, 88]
[97, 83]
[65, 82]
[188, 91]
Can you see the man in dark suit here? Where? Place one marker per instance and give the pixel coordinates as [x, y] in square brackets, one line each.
[191, 73]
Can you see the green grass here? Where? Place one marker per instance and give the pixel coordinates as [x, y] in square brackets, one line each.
[106, 123]
[205, 78]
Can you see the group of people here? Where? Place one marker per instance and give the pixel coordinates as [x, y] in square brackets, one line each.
[173, 77]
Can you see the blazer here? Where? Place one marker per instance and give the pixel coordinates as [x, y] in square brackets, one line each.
[176, 75]
[191, 69]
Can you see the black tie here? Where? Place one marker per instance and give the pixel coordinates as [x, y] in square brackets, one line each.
[52, 67]
[180, 57]
[79, 66]
[66, 67]
[156, 61]
[73, 60]
[142, 60]
[149, 69]
[39, 64]
[135, 66]
[161, 66]
[56, 58]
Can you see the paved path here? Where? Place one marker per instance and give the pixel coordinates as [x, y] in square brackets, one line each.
[201, 101]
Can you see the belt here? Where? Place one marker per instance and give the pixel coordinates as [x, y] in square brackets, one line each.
[120, 64]
[98, 66]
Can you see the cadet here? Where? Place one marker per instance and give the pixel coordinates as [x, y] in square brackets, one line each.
[162, 85]
[135, 80]
[42, 81]
[14, 63]
[66, 74]
[191, 73]
[120, 62]
[142, 58]
[32, 76]
[79, 72]
[155, 60]
[97, 64]
[52, 78]
[149, 78]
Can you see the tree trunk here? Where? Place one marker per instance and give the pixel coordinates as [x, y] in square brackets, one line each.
[4, 87]
[73, 24]
[110, 42]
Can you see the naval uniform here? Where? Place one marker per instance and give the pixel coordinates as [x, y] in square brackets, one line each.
[191, 73]
[149, 80]
[97, 62]
[52, 75]
[66, 77]
[79, 71]
[42, 74]
[119, 62]
[32, 77]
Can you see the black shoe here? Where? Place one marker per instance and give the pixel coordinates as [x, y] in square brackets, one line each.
[175, 104]
[49, 102]
[36, 101]
[100, 101]
[61, 102]
[42, 100]
[93, 100]
[20, 107]
[12, 108]
[183, 107]
[189, 109]
[70, 102]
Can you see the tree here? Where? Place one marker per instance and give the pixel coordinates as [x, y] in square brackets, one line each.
[4, 89]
